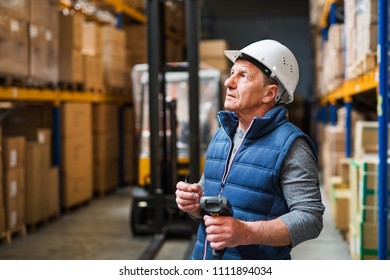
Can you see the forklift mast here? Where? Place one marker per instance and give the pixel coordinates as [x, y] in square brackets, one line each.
[154, 210]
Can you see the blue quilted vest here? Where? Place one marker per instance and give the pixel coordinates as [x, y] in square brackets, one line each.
[251, 184]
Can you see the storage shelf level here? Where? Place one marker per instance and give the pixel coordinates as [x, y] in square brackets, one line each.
[58, 96]
[348, 88]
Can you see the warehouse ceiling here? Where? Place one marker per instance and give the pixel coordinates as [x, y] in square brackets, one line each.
[250, 8]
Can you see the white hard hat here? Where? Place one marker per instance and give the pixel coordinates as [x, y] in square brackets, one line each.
[279, 62]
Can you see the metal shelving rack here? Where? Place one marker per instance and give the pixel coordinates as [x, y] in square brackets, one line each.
[376, 81]
[56, 96]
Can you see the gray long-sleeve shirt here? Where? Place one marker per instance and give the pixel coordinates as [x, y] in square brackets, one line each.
[300, 185]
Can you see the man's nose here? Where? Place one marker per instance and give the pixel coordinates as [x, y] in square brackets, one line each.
[229, 82]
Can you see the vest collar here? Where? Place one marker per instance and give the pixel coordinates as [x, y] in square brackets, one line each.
[259, 127]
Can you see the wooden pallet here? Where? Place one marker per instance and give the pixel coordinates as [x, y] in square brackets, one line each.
[7, 236]
[33, 227]
[71, 86]
[38, 83]
[8, 80]
[95, 88]
[117, 91]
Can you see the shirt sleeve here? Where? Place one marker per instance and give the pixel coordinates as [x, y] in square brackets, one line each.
[300, 184]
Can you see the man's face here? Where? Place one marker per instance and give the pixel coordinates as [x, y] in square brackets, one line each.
[244, 88]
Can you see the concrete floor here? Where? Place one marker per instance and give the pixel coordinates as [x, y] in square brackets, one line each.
[100, 231]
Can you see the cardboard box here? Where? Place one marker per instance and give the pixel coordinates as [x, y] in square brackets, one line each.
[106, 174]
[341, 198]
[136, 36]
[71, 65]
[128, 120]
[220, 63]
[13, 46]
[212, 53]
[51, 193]
[19, 9]
[76, 119]
[14, 152]
[45, 13]
[130, 170]
[14, 183]
[77, 154]
[44, 53]
[91, 39]
[106, 145]
[129, 145]
[93, 73]
[15, 213]
[37, 181]
[214, 48]
[369, 235]
[44, 136]
[71, 31]
[105, 118]
[77, 188]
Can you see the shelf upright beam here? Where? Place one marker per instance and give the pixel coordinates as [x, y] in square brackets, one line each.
[333, 114]
[348, 127]
[383, 118]
[56, 140]
[192, 31]
[324, 114]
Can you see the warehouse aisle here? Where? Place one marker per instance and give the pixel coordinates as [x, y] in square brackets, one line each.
[330, 245]
[100, 231]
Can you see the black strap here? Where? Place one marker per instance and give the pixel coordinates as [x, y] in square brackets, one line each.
[257, 63]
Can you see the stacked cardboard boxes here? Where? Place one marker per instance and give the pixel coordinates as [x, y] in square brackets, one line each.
[70, 59]
[333, 64]
[212, 53]
[113, 42]
[364, 209]
[44, 31]
[136, 44]
[14, 182]
[42, 189]
[174, 29]
[77, 159]
[93, 71]
[106, 147]
[14, 18]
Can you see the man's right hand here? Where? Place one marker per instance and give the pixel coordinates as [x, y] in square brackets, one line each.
[188, 197]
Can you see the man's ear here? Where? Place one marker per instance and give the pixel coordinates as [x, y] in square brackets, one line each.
[272, 90]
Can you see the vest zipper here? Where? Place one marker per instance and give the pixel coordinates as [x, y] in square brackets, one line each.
[228, 166]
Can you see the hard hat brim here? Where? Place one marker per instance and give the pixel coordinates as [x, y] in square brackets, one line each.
[232, 54]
